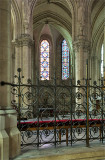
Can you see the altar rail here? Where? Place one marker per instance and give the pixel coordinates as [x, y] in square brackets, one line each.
[59, 112]
[95, 126]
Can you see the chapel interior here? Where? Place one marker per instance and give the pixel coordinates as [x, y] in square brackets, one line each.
[52, 74]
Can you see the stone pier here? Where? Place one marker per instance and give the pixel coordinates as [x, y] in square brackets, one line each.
[9, 134]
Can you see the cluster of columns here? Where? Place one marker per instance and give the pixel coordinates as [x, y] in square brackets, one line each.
[81, 56]
[9, 134]
[23, 57]
[81, 41]
[81, 45]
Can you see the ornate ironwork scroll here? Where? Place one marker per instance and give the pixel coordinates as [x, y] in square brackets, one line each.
[52, 114]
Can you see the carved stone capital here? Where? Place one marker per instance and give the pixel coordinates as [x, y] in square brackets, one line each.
[85, 45]
[24, 40]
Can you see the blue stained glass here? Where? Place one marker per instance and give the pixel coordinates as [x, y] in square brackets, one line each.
[44, 60]
[65, 60]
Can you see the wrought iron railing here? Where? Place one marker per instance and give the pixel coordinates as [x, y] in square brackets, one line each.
[52, 113]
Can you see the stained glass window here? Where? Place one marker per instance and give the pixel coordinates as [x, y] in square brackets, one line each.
[102, 59]
[65, 60]
[44, 60]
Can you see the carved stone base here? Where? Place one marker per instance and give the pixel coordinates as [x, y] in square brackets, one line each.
[13, 133]
[4, 145]
[14, 142]
[4, 139]
[9, 135]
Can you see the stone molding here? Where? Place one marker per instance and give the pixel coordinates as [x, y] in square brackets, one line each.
[7, 111]
[2, 112]
[12, 111]
[24, 40]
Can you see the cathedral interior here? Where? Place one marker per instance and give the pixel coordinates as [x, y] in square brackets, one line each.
[52, 76]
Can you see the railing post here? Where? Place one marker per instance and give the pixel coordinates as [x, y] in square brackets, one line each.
[87, 109]
[55, 109]
[71, 94]
[102, 126]
[19, 99]
[38, 112]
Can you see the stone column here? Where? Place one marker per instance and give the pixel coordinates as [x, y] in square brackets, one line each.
[4, 138]
[90, 66]
[81, 44]
[23, 60]
[81, 38]
[81, 48]
[95, 68]
[99, 70]
[9, 134]
[23, 56]
[24, 49]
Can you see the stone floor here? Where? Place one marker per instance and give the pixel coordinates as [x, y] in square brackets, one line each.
[95, 152]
